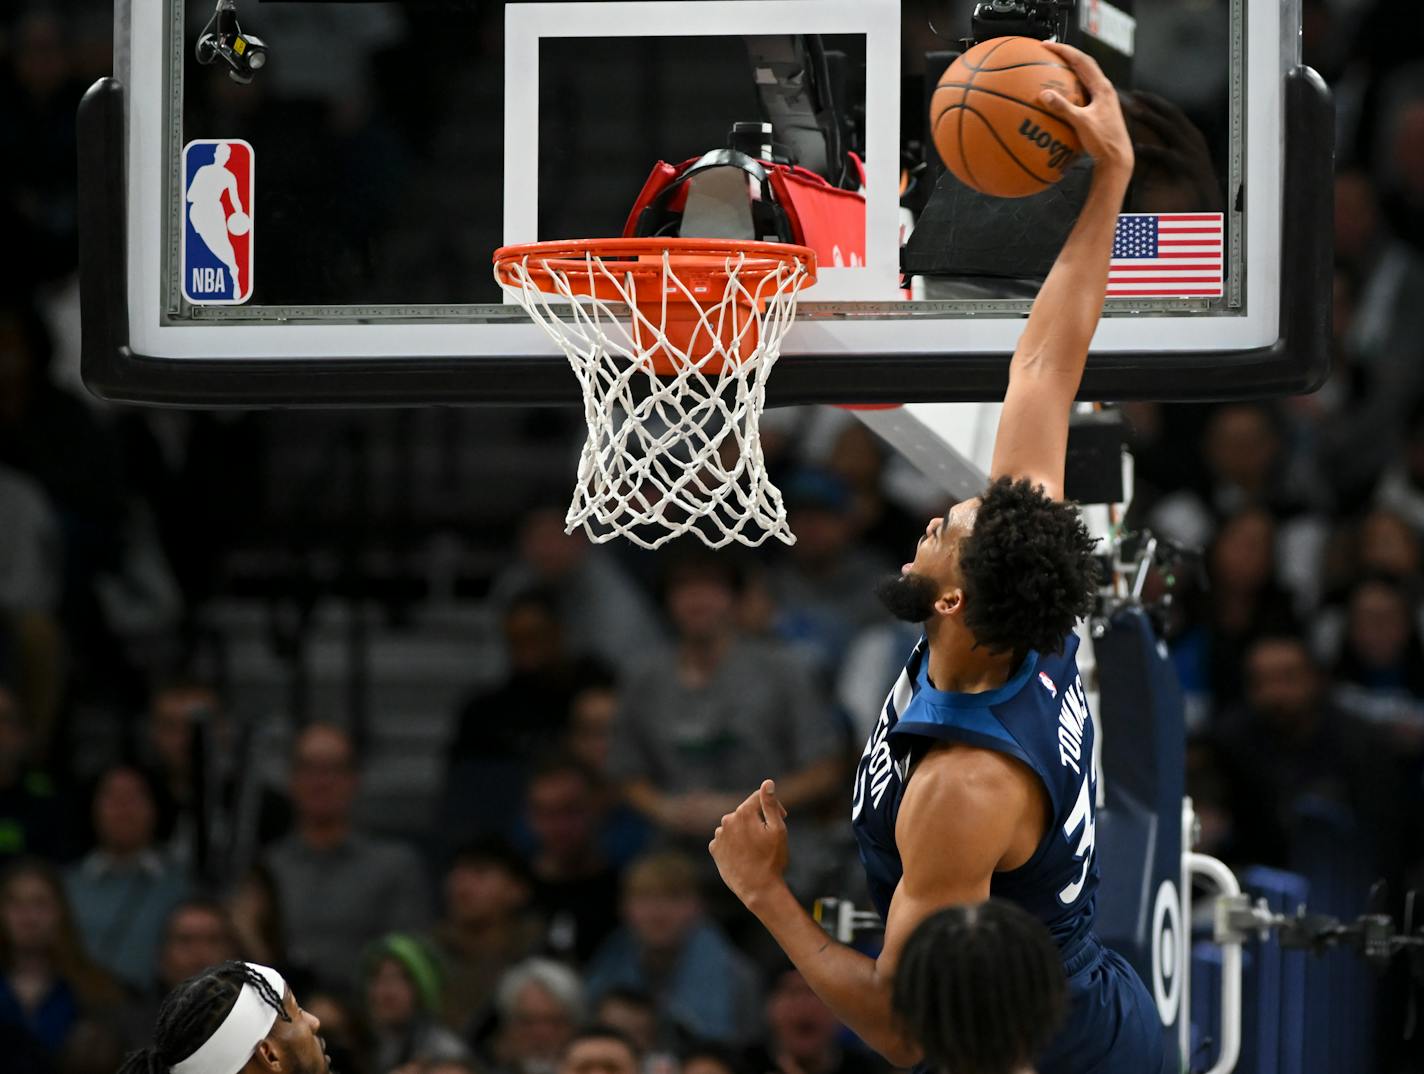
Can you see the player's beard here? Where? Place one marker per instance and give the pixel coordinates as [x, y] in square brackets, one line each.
[908, 596]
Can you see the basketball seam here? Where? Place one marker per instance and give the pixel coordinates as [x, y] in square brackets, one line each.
[1002, 144]
[1026, 63]
[980, 66]
[963, 155]
[1003, 96]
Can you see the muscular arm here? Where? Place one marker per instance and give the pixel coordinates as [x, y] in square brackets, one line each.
[1047, 367]
[961, 814]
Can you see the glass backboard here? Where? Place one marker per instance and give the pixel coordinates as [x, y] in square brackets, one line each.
[383, 151]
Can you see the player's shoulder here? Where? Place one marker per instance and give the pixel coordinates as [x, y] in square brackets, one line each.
[960, 775]
[959, 789]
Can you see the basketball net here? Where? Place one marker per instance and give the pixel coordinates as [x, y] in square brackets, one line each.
[672, 342]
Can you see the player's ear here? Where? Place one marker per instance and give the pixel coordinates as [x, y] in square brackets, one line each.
[951, 602]
[267, 1055]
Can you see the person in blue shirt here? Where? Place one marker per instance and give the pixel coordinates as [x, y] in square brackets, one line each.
[978, 777]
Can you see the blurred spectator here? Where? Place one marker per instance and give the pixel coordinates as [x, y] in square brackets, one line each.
[1388, 545]
[31, 580]
[708, 1057]
[338, 888]
[1244, 598]
[631, 1012]
[31, 813]
[1401, 487]
[601, 1049]
[1399, 165]
[575, 887]
[404, 987]
[1287, 743]
[684, 773]
[124, 889]
[668, 948]
[859, 458]
[345, 1033]
[51, 436]
[501, 731]
[1385, 273]
[803, 1033]
[1380, 669]
[179, 711]
[39, 95]
[602, 611]
[592, 711]
[526, 714]
[540, 1005]
[196, 935]
[825, 588]
[875, 657]
[255, 910]
[486, 928]
[1362, 412]
[48, 983]
[1248, 465]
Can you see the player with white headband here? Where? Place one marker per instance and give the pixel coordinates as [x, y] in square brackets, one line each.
[237, 1017]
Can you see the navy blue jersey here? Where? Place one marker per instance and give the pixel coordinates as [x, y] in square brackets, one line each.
[1040, 717]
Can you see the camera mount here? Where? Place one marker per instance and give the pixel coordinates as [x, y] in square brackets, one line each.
[1042, 19]
[222, 39]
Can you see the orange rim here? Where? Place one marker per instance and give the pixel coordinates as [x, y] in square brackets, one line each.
[694, 261]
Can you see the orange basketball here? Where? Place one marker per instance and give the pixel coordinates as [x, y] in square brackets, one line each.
[987, 122]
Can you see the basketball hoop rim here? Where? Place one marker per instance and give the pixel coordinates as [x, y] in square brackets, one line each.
[689, 259]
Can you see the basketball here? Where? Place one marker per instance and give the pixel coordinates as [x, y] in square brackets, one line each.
[988, 124]
[239, 223]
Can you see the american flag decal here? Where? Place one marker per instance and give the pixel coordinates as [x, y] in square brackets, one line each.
[1171, 255]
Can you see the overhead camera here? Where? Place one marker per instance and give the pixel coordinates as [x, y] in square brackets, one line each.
[1022, 18]
[222, 39]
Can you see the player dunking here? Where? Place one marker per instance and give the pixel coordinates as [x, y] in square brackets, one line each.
[978, 778]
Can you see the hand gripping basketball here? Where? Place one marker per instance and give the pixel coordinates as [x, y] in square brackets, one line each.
[1099, 123]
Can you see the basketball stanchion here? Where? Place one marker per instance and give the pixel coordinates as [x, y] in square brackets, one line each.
[671, 341]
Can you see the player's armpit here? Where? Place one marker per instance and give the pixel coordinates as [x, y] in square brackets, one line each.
[959, 818]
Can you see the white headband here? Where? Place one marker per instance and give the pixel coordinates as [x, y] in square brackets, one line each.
[246, 1025]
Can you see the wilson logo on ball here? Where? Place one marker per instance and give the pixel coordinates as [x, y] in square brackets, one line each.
[1058, 154]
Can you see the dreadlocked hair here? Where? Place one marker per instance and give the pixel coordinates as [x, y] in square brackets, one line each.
[980, 989]
[1028, 569]
[192, 1012]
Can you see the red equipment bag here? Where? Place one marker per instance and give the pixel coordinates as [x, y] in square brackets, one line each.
[791, 205]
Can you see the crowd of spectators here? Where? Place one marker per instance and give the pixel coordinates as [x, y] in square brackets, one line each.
[641, 698]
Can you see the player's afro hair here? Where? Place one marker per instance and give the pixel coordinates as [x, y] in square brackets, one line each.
[980, 989]
[1029, 571]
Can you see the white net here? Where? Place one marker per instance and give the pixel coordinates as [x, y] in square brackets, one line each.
[674, 449]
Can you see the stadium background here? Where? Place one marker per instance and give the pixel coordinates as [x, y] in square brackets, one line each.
[291, 685]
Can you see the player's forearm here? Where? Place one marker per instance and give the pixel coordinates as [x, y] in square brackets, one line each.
[847, 981]
[1065, 315]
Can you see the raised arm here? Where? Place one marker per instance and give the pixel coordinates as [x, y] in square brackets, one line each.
[1047, 367]
[957, 821]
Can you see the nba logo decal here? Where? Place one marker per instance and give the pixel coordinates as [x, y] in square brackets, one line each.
[1047, 683]
[218, 216]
